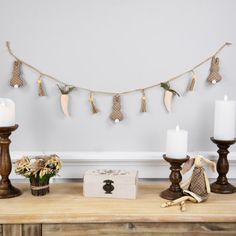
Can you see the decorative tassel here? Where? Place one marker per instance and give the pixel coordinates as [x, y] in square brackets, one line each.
[93, 107]
[168, 95]
[16, 80]
[143, 102]
[214, 75]
[193, 82]
[41, 90]
[116, 114]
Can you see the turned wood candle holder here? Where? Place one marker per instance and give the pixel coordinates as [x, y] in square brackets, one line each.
[222, 185]
[174, 191]
[6, 188]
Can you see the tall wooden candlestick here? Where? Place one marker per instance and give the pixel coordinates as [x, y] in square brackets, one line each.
[6, 188]
[222, 185]
[174, 191]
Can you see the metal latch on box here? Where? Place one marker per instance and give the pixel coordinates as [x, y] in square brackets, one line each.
[108, 187]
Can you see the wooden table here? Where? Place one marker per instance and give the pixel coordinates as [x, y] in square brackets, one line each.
[66, 212]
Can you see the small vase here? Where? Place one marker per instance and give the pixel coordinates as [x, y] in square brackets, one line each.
[39, 187]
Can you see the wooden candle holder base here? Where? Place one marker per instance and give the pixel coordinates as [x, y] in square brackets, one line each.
[6, 188]
[9, 191]
[174, 191]
[222, 185]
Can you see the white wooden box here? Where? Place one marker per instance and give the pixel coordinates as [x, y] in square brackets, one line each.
[110, 183]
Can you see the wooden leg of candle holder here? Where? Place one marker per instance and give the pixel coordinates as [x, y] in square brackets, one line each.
[174, 191]
[6, 188]
[222, 185]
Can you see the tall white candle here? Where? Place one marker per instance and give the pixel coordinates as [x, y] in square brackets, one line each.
[7, 112]
[176, 143]
[224, 125]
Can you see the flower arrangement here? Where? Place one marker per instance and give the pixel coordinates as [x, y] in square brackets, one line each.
[39, 170]
[39, 166]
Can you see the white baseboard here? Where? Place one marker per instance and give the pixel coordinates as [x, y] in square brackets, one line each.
[149, 164]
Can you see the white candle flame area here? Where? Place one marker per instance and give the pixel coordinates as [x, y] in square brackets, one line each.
[224, 121]
[177, 128]
[7, 112]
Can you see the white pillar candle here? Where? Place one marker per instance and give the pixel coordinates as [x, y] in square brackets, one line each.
[224, 125]
[176, 143]
[7, 112]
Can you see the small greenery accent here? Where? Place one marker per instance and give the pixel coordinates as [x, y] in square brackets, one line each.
[167, 87]
[66, 89]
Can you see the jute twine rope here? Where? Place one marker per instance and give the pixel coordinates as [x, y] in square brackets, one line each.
[39, 187]
[122, 92]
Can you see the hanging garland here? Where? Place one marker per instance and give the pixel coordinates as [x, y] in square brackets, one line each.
[116, 115]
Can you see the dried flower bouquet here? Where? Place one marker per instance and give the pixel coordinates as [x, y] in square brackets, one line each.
[39, 170]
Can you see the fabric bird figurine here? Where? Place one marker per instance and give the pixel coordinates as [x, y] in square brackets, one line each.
[197, 186]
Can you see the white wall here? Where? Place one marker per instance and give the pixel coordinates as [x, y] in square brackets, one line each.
[115, 45]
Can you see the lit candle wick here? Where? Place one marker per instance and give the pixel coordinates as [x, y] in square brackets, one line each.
[225, 98]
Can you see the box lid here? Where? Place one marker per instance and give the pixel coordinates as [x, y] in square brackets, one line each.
[118, 176]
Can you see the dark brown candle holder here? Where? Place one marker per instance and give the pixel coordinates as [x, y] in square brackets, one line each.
[222, 185]
[174, 191]
[6, 188]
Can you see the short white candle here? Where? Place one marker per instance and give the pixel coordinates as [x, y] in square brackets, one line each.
[176, 143]
[224, 125]
[7, 112]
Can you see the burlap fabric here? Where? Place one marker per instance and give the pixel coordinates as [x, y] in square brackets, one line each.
[16, 75]
[198, 184]
[116, 109]
[214, 75]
